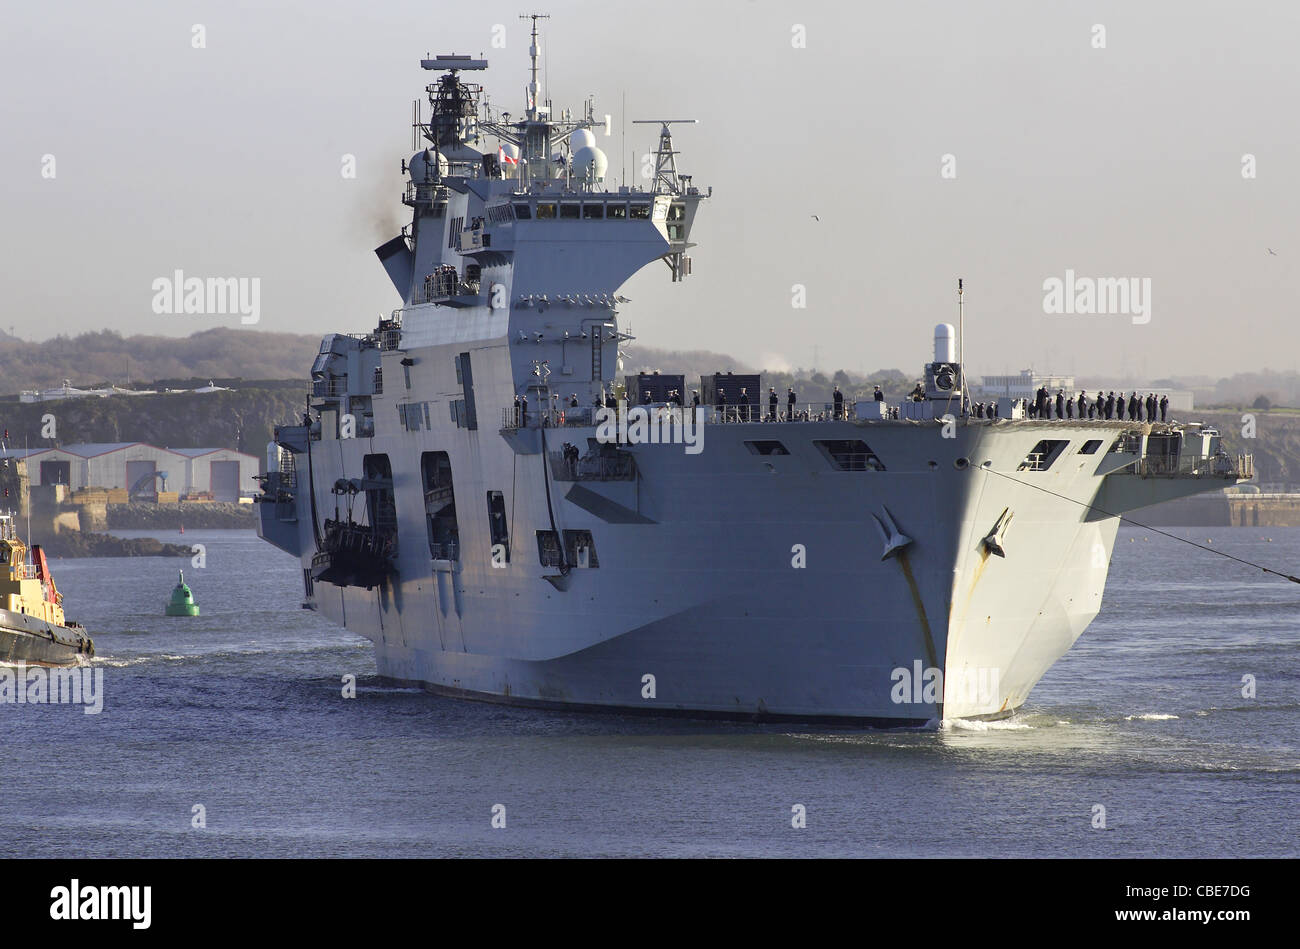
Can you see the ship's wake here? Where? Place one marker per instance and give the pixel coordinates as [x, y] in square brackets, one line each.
[978, 725]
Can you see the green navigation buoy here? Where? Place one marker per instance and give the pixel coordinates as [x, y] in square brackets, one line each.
[182, 601]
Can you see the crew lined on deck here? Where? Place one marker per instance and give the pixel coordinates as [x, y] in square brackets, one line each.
[1045, 405]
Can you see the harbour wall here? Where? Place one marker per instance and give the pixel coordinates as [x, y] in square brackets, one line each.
[1220, 510]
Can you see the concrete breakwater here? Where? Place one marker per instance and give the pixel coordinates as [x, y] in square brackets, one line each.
[170, 517]
[75, 524]
[1221, 510]
[64, 544]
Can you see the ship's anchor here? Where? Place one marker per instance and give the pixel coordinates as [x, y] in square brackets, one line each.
[993, 541]
[894, 539]
[896, 544]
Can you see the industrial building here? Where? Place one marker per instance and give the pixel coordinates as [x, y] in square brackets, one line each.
[1027, 382]
[145, 469]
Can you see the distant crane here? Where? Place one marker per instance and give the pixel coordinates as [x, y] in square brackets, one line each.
[136, 489]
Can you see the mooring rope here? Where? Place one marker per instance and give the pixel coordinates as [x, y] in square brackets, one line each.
[1154, 530]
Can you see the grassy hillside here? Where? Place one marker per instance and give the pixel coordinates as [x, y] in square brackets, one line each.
[107, 357]
[242, 419]
[1276, 444]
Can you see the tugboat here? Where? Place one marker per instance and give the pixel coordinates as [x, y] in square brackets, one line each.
[32, 626]
[182, 601]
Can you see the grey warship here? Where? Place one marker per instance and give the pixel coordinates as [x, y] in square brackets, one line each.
[471, 491]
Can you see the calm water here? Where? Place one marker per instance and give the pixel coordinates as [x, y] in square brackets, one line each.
[240, 711]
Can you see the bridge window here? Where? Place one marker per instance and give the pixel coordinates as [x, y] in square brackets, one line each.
[639, 212]
[522, 212]
[766, 448]
[1090, 447]
[593, 211]
[1042, 455]
[545, 210]
[570, 211]
[616, 212]
[850, 454]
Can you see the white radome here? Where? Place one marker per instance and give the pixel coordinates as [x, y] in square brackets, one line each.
[581, 138]
[589, 162]
[945, 343]
[421, 164]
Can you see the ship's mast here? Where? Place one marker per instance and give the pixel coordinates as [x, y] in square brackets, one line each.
[28, 498]
[534, 51]
[534, 134]
[666, 180]
[961, 344]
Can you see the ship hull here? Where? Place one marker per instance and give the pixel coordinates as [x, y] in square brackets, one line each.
[767, 587]
[447, 498]
[28, 640]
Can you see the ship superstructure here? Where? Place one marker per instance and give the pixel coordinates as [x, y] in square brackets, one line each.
[453, 495]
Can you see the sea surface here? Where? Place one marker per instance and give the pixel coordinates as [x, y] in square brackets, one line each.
[240, 712]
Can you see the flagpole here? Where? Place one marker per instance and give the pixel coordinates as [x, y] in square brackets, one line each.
[26, 452]
[961, 344]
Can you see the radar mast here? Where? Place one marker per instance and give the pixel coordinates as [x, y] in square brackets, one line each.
[534, 53]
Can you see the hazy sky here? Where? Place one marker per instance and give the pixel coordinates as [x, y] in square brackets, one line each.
[1122, 161]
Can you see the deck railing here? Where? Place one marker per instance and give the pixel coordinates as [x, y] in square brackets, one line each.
[445, 551]
[1213, 466]
[581, 416]
[594, 467]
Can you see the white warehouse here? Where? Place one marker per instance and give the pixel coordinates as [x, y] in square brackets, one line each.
[221, 471]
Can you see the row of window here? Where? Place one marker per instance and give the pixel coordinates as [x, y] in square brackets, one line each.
[845, 454]
[855, 455]
[443, 523]
[588, 210]
[1044, 454]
